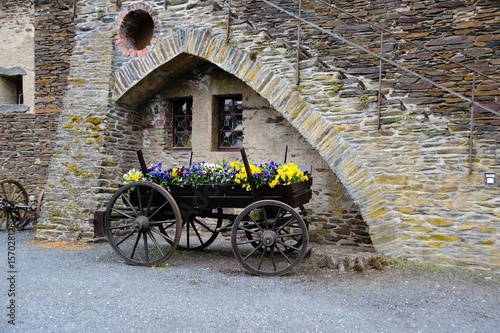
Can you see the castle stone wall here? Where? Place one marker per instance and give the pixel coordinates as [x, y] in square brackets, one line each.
[410, 178]
[17, 47]
[54, 38]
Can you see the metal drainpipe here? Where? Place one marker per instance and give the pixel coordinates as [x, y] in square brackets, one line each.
[228, 21]
[297, 70]
[471, 134]
[75, 4]
[379, 99]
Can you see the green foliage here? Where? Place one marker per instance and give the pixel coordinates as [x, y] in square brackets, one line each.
[289, 52]
[100, 14]
[336, 86]
[364, 100]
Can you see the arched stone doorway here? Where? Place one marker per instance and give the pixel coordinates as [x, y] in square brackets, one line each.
[175, 55]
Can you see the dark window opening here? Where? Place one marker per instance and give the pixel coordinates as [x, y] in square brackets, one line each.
[182, 123]
[11, 89]
[138, 27]
[230, 113]
[19, 90]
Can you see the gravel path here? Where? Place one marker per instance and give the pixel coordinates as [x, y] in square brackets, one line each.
[91, 290]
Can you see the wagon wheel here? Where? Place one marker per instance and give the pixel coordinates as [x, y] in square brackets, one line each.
[285, 235]
[39, 200]
[143, 223]
[13, 192]
[278, 239]
[36, 207]
[199, 231]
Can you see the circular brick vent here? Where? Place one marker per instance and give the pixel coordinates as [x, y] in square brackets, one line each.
[137, 27]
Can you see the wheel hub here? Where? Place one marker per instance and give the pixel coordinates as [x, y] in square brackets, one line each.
[268, 238]
[141, 223]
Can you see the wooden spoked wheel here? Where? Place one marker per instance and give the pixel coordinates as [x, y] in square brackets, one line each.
[39, 203]
[143, 223]
[284, 234]
[199, 230]
[12, 193]
[35, 208]
[269, 238]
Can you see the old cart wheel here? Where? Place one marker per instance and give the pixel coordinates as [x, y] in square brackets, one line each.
[39, 200]
[284, 234]
[36, 208]
[11, 193]
[199, 230]
[143, 223]
[278, 238]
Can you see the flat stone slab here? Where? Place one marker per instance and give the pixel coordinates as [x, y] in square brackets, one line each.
[12, 71]
[14, 108]
[343, 258]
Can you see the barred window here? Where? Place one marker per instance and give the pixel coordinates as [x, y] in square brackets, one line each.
[182, 123]
[230, 123]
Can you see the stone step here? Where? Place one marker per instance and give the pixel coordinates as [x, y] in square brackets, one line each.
[344, 258]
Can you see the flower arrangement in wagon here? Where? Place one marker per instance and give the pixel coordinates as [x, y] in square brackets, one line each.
[232, 173]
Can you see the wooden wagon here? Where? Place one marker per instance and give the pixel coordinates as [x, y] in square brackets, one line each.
[145, 223]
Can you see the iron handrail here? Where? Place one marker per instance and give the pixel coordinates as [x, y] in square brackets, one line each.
[444, 58]
[381, 58]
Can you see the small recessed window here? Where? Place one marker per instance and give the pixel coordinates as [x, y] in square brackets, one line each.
[230, 112]
[137, 27]
[182, 112]
[11, 85]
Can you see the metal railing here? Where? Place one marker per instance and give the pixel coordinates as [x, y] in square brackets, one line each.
[382, 58]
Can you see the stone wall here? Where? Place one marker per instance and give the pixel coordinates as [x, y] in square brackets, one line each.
[17, 46]
[49, 24]
[409, 179]
[93, 137]
[26, 147]
[27, 141]
[446, 41]
[54, 38]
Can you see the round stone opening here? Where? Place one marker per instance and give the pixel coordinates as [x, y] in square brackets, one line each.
[138, 28]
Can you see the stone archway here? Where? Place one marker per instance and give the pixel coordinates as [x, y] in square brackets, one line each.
[133, 84]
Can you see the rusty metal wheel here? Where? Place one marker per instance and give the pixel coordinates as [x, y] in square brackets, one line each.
[269, 238]
[143, 223]
[12, 193]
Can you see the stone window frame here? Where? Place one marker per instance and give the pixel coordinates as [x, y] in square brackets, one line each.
[235, 118]
[175, 105]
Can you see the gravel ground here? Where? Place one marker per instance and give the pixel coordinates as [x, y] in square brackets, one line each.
[88, 289]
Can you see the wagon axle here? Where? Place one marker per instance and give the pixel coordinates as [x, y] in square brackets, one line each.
[268, 238]
[141, 223]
